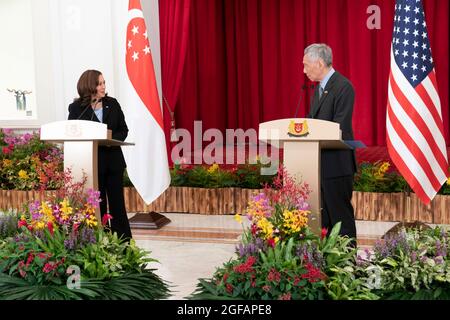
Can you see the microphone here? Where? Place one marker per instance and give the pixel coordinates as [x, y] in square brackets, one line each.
[95, 101]
[85, 109]
[299, 99]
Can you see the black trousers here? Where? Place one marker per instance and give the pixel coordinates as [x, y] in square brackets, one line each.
[110, 183]
[337, 206]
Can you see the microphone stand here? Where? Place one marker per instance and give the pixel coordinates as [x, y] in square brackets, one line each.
[299, 99]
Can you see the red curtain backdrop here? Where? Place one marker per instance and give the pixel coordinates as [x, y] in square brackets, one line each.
[243, 61]
[174, 34]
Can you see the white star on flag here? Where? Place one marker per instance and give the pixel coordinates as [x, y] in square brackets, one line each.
[147, 164]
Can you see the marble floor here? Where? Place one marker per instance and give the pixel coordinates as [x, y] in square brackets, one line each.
[192, 246]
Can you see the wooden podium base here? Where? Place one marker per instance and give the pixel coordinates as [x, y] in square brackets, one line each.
[148, 220]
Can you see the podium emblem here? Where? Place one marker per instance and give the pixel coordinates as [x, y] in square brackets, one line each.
[298, 129]
[73, 130]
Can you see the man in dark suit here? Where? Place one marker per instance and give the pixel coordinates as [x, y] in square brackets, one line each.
[333, 101]
[93, 104]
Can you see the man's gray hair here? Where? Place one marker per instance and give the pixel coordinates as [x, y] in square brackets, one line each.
[320, 51]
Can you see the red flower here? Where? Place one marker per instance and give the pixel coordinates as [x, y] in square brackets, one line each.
[49, 267]
[274, 275]
[266, 288]
[314, 274]
[245, 267]
[44, 255]
[271, 242]
[22, 223]
[225, 277]
[50, 227]
[323, 233]
[105, 218]
[21, 271]
[229, 288]
[254, 229]
[286, 296]
[30, 259]
[5, 150]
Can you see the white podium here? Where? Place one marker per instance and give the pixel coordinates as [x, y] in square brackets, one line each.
[81, 139]
[302, 141]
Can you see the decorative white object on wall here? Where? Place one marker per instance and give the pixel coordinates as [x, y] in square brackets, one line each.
[21, 100]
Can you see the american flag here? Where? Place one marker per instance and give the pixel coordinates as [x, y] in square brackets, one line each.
[415, 133]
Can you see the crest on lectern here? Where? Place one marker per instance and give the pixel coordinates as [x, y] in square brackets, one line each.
[298, 129]
[73, 130]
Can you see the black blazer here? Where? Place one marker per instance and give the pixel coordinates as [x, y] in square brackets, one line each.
[109, 158]
[336, 104]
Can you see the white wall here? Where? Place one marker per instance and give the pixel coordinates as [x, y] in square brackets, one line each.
[16, 58]
[65, 37]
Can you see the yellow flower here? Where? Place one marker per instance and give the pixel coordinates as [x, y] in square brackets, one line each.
[91, 222]
[7, 163]
[39, 225]
[46, 209]
[295, 220]
[266, 227]
[448, 181]
[382, 170]
[213, 168]
[23, 175]
[66, 209]
[238, 217]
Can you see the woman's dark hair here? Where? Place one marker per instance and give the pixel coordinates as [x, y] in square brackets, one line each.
[87, 86]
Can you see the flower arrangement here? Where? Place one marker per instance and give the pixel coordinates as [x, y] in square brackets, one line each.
[27, 163]
[61, 234]
[379, 177]
[279, 213]
[411, 264]
[280, 257]
[376, 177]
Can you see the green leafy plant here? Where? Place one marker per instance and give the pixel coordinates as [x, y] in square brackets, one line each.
[413, 264]
[61, 232]
[8, 223]
[214, 176]
[376, 177]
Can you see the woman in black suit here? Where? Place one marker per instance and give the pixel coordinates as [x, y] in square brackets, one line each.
[93, 104]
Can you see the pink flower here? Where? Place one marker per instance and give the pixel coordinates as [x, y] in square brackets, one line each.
[21, 271]
[106, 218]
[286, 296]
